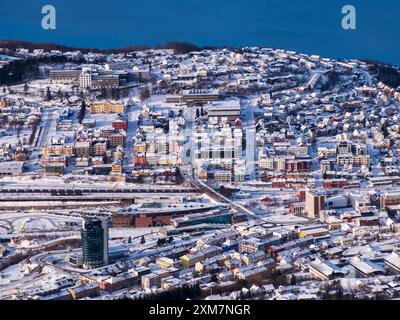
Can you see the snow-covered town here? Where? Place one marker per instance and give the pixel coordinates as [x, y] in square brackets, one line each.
[249, 173]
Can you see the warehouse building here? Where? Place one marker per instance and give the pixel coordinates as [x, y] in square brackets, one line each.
[11, 168]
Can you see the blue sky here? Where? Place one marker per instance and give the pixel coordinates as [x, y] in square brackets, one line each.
[309, 26]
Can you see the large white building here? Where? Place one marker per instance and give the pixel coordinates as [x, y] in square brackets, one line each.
[85, 79]
[224, 111]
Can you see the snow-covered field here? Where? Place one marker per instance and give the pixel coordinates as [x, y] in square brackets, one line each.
[286, 219]
[34, 224]
[25, 223]
[16, 272]
[11, 137]
[131, 232]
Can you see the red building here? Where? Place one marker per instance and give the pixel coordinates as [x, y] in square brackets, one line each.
[120, 124]
[301, 195]
[139, 160]
[116, 139]
[279, 183]
[335, 184]
[297, 165]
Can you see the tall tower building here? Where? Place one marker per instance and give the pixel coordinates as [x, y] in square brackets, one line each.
[314, 203]
[94, 235]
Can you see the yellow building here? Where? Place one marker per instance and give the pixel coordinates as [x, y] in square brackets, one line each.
[66, 150]
[165, 262]
[107, 107]
[99, 149]
[140, 147]
[222, 175]
[48, 150]
[361, 160]
[202, 173]
[315, 232]
[116, 168]
[190, 260]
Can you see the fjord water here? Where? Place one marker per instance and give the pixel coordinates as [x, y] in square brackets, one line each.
[309, 26]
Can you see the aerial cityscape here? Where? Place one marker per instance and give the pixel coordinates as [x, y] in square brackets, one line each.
[185, 173]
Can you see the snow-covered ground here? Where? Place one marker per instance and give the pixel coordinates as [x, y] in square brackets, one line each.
[286, 219]
[102, 120]
[25, 225]
[13, 273]
[3, 229]
[34, 224]
[10, 136]
[131, 232]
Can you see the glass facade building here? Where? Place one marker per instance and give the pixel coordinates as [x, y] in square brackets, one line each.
[95, 243]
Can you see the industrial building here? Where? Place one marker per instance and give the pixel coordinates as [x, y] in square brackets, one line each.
[11, 168]
[226, 110]
[199, 218]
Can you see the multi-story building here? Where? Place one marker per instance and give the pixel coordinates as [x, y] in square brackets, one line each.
[139, 74]
[116, 139]
[84, 291]
[83, 149]
[82, 162]
[222, 175]
[390, 198]
[139, 159]
[190, 259]
[97, 160]
[116, 167]
[65, 149]
[64, 76]
[52, 159]
[151, 280]
[121, 220]
[99, 148]
[314, 203]
[355, 160]
[120, 124]
[54, 169]
[107, 107]
[224, 111]
[199, 96]
[165, 262]
[343, 147]
[297, 208]
[266, 163]
[94, 235]
[327, 165]
[218, 146]
[251, 246]
[284, 163]
[140, 147]
[105, 81]
[85, 80]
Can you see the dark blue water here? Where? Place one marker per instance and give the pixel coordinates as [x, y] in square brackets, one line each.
[309, 26]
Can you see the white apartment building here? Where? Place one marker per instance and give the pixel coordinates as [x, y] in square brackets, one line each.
[85, 79]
